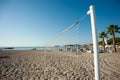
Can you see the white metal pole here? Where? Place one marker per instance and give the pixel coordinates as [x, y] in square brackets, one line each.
[95, 43]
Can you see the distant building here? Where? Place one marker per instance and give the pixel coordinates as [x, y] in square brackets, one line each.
[72, 47]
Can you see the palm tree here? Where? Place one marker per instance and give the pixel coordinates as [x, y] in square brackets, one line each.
[112, 29]
[103, 35]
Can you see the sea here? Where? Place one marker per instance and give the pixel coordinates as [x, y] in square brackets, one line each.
[23, 48]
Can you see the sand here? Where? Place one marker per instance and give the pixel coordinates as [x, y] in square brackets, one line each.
[54, 65]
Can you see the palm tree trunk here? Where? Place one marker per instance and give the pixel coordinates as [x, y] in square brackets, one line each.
[103, 44]
[114, 43]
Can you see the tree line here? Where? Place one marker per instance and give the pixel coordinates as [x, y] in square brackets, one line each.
[110, 41]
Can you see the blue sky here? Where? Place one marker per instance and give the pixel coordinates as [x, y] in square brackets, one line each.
[34, 22]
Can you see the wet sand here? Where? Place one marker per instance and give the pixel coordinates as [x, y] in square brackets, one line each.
[54, 65]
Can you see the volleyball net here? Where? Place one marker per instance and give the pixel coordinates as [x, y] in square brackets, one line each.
[68, 39]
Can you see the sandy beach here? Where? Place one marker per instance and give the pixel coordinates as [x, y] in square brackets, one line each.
[54, 65]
